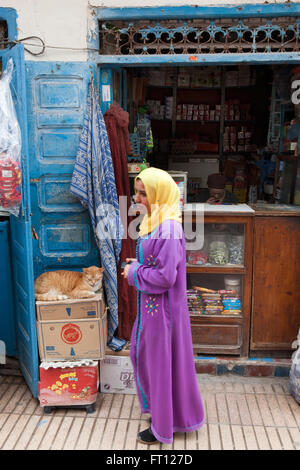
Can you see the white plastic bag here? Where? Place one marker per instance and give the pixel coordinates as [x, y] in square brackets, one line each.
[10, 147]
[295, 370]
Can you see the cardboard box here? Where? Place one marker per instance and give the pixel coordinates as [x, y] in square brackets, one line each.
[70, 309]
[76, 339]
[68, 384]
[72, 329]
[116, 375]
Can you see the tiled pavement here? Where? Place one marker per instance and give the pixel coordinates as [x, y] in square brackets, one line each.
[242, 413]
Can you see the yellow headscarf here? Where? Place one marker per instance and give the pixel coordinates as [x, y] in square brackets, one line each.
[163, 196]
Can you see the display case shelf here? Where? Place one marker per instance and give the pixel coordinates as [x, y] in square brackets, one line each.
[204, 315]
[228, 269]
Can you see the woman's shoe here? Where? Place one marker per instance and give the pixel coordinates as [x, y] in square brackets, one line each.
[146, 437]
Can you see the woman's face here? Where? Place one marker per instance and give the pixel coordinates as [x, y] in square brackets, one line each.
[140, 194]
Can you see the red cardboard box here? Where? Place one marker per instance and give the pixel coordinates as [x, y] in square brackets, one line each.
[68, 383]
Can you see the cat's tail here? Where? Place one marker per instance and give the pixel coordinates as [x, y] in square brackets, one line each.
[50, 297]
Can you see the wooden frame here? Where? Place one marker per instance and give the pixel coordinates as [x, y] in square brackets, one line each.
[275, 289]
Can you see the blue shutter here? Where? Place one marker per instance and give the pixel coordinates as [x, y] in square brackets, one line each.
[21, 245]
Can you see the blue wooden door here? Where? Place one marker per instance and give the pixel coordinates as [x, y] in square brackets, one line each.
[21, 245]
[62, 235]
[112, 86]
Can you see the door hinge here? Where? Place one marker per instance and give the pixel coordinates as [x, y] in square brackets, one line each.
[34, 234]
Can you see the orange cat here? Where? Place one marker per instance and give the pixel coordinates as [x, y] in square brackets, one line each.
[61, 285]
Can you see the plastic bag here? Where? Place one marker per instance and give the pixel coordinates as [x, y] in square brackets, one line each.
[10, 147]
[294, 383]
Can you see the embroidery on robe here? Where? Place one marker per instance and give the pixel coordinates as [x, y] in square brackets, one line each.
[151, 260]
[151, 305]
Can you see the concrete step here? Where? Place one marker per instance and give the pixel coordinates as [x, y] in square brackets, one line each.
[248, 367]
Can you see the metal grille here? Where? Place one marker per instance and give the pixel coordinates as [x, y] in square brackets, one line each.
[251, 35]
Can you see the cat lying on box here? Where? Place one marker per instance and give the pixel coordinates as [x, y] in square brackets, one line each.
[61, 285]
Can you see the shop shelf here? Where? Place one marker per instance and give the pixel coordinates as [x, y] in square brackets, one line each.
[214, 269]
[203, 315]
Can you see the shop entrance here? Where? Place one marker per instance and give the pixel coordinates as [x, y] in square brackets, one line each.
[208, 112]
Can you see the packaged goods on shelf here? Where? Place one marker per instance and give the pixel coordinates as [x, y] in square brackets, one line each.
[212, 303]
[203, 77]
[196, 257]
[220, 302]
[232, 305]
[233, 283]
[156, 109]
[218, 252]
[169, 103]
[236, 249]
[194, 301]
[198, 112]
[237, 140]
[240, 77]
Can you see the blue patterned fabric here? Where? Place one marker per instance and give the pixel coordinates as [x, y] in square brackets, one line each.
[93, 182]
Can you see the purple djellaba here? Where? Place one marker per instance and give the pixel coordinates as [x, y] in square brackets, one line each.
[161, 343]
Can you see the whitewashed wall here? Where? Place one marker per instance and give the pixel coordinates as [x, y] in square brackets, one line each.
[68, 23]
[60, 23]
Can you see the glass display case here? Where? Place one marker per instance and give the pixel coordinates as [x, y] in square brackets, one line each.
[219, 274]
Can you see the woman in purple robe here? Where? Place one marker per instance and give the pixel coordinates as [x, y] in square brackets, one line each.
[161, 343]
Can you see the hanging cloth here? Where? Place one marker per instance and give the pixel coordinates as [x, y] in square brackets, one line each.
[117, 122]
[93, 183]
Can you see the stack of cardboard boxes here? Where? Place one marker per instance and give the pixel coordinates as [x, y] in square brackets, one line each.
[72, 337]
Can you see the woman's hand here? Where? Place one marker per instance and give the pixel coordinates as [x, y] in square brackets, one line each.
[126, 269]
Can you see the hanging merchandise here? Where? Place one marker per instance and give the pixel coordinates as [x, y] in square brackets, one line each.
[93, 183]
[134, 154]
[117, 121]
[144, 132]
[10, 147]
[294, 379]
